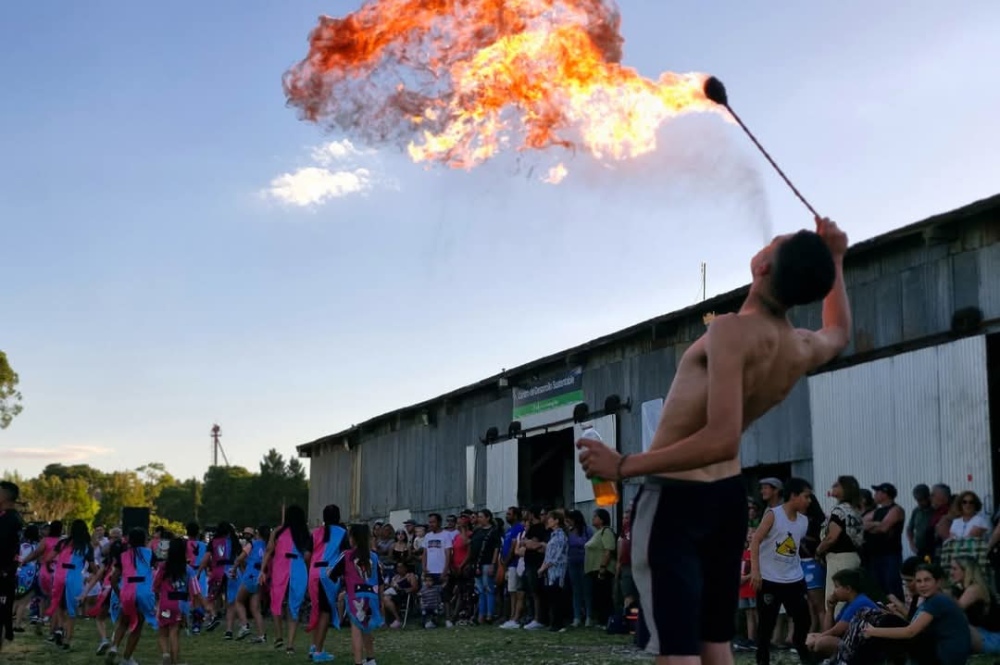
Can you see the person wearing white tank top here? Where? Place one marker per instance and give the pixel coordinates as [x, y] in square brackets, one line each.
[776, 570]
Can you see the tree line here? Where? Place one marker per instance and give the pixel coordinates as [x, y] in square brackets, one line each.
[225, 493]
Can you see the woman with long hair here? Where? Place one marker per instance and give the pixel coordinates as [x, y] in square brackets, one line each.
[136, 597]
[971, 591]
[45, 554]
[289, 550]
[27, 576]
[844, 533]
[176, 585]
[577, 536]
[252, 560]
[328, 542]
[813, 570]
[74, 554]
[359, 571]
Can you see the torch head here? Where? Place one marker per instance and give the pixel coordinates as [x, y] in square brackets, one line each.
[716, 91]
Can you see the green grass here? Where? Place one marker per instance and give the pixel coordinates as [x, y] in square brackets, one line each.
[413, 646]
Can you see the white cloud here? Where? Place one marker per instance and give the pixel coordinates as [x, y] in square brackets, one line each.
[328, 153]
[313, 185]
[336, 173]
[61, 453]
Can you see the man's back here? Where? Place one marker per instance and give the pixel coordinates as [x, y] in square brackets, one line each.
[774, 357]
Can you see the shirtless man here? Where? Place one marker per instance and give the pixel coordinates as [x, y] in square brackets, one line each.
[690, 520]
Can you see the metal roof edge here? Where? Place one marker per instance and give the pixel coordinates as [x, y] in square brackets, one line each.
[862, 248]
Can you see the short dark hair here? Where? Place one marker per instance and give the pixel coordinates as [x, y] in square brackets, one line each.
[485, 512]
[516, 512]
[803, 270]
[796, 486]
[850, 578]
[12, 491]
[437, 515]
[909, 567]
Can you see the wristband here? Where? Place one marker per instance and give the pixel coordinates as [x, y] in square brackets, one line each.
[621, 461]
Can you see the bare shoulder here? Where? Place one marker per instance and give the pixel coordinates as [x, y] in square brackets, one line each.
[821, 346]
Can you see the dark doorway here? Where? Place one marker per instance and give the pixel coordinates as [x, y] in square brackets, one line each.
[993, 387]
[545, 470]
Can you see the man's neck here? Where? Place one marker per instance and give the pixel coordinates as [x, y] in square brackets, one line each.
[761, 303]
[790, 512]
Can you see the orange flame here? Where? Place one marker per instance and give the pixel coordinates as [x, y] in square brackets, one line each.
[460, 80]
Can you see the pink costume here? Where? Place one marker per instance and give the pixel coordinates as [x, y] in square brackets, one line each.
[288, 575]
[325, 555]
[47, 569]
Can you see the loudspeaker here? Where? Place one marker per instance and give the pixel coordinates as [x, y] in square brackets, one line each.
[135, 518]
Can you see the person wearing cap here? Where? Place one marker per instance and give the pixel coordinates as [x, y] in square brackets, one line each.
[884, 539]
[770, 492]
[11, 526]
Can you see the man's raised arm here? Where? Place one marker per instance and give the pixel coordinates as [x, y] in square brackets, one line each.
[833, 338]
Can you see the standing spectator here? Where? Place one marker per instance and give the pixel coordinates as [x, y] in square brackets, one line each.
[626, 593]
[509, 559]
[776, 570]
[968, 520]
[884, 539]
[534, 555]
[940, 524]
[770, 492]
[485, 552]
[578, 534]
[918, 531]
[841, 546]
[437, 560]
[598, 559]
[11, 526]
[553, 568]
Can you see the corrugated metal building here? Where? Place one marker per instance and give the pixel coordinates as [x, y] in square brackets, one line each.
[915, 398]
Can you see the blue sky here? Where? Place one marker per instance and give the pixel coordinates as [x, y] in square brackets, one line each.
[151, 290]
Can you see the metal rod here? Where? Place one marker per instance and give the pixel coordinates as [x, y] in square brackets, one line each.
[773, 163]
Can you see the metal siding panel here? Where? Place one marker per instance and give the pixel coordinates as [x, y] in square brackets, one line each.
[781, 435]
[965, 417]
[889, 311]
[989, 271]
[965, 275]
[898, 418]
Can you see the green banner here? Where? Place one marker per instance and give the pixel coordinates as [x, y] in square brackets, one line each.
[549, 393]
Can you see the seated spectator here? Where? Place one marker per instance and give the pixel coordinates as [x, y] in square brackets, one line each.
[403, 582]
[972, 593]
[848, 588]
[939, 632]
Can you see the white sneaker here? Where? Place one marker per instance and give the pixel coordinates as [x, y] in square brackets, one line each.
[510, 625]
[576, 623]
[103, 646]
[429, 625]
[449, 624]
[534, 625]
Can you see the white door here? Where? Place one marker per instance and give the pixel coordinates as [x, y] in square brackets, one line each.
[501, 475]
[583, 488]
[470, 476]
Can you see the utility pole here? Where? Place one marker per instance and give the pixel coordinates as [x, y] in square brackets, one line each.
[217, 446]
[704, 271]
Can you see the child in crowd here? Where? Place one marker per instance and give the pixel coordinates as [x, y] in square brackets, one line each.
[430, 601]
[748, 598]
[177, 585]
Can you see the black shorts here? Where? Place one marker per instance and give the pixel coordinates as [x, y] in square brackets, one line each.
[687, 551]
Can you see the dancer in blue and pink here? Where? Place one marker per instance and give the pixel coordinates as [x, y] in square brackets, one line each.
[222, 588]
[358, 569]
[329, 541]
[74, 554]
[288, 553]
[136, 598]
[196, 551]
[176, 585]
[252, 560]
